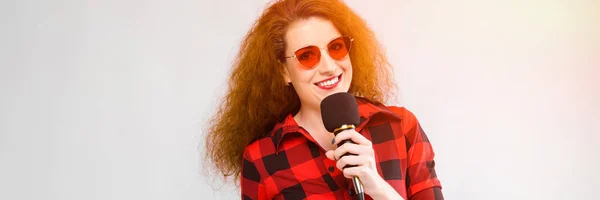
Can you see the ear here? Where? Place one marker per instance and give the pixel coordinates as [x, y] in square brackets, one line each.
[286, 75]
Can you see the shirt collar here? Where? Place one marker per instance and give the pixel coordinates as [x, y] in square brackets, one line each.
[366, 109]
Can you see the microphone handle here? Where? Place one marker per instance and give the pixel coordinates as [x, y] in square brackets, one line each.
[358, 186]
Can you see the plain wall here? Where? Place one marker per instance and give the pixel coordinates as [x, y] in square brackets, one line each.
[108, 99]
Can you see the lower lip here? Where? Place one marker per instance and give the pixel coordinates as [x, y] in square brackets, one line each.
[329, 87]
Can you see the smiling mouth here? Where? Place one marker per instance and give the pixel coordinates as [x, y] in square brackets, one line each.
[329, 83]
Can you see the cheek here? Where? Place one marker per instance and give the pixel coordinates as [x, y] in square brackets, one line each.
[346, 64]
[347, 67]
[299, 75]
[348, 71]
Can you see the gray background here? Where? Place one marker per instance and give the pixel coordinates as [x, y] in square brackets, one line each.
[108, 99]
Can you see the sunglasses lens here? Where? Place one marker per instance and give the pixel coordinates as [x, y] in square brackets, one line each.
[339, 47]
[309, 56]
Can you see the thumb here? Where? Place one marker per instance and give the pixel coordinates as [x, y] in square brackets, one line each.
[329, 154]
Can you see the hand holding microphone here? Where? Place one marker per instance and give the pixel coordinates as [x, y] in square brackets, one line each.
[354, 155]
[361, 159]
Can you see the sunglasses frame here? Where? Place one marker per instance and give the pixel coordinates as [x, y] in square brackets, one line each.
[324, 48]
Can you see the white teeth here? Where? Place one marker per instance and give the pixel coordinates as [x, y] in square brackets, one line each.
[329, 82]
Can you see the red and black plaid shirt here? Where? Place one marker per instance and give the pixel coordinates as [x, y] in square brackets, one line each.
[289, 164]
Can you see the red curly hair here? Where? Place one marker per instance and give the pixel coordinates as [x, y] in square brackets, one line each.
[258, 97]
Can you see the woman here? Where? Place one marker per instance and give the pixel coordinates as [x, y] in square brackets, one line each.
[268, 133]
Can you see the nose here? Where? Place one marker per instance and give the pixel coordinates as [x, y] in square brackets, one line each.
[327, 65]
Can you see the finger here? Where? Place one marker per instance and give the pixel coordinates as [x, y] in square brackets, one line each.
[353, 149]
[359, 171]
[330, 154]
[347, 148]
[351, 160]
[352, 135]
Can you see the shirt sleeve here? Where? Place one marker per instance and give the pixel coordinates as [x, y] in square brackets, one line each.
[250, 181]
[421, 180]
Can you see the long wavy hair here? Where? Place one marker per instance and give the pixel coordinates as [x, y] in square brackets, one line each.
[258, 97]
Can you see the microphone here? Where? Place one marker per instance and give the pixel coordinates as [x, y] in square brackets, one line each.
[340, 112]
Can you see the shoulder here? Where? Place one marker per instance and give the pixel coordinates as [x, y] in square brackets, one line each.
[266, 144]
[409, 123]
[367, 108]
[404, 121]
[406, 115]
[251, 149]
[257, 149]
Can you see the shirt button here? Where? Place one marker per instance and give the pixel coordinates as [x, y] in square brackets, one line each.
[331, 169]
[351, 192]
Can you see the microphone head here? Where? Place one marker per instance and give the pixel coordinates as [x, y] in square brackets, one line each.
[339, 109]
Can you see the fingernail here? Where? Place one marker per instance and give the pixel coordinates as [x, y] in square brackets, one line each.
[333, 141]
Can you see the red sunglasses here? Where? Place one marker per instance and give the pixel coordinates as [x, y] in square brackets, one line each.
[310, 56]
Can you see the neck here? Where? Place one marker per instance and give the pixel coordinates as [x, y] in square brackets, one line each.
[310, 119]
